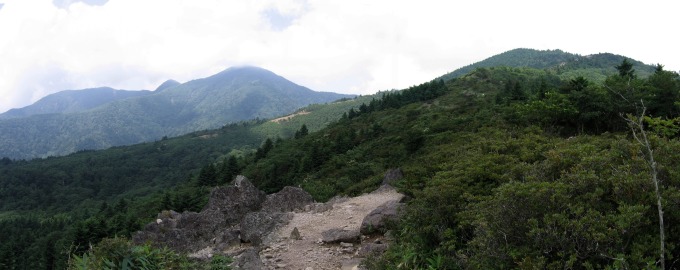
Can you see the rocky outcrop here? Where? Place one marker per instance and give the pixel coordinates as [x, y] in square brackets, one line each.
[231, 216]
[287, 200]
[378, 218]
[231, 203]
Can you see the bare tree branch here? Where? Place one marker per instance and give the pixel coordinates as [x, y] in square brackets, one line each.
[637, 124]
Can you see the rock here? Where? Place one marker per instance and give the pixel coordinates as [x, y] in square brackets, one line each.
[256, 226]
[343, 244]
[376, 220]
[295, 234]
[286, 200]
[392, 176]
[216, 225]
[371, 249]
[232, 203]
[340, 235]
[248, 260]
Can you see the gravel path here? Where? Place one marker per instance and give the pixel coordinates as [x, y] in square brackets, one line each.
[309, 253]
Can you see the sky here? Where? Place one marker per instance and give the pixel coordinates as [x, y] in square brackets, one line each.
[345, 46]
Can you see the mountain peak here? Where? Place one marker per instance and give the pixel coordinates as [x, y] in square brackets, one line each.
[167, 84]
[246, 69]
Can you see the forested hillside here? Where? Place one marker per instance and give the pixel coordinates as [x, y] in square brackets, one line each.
[508, 168]
[596, 67]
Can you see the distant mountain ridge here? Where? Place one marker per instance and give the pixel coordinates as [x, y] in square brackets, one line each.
[594, 67]
[72, 101]
[238, 93]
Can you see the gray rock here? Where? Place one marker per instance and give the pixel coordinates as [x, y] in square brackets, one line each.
[295, 234]
[232, 203]
[392, 176]
[340, 235]
[286, 200]
[249, 259]
[376, 220]
[256, 226]
[371, 249]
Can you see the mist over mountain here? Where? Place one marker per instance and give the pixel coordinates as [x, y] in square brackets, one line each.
[167, 84]
[71, 121]
[71, 101]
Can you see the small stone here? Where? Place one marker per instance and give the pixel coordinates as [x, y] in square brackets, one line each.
[309, 268]
[343, 244]
[295, 234]
[281, 265]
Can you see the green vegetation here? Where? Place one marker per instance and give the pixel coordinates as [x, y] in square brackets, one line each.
[117, 253]
[506, 168]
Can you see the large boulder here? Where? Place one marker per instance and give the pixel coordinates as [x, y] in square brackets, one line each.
[287, 200]
[340, 235]
[256, 226]
[375, 221]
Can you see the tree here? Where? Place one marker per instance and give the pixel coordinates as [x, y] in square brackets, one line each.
[264, 149]
[208, 175]
[636, 125]
[626, 69]
[302, 132]
[229, 170]
[166, 202]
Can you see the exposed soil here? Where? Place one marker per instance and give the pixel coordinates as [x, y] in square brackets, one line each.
[288, 117]
[283, 252]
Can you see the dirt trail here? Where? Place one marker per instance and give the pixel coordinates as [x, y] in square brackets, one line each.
[309, 253]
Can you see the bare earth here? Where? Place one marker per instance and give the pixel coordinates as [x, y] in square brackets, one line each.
[282, 252]
[288, 117]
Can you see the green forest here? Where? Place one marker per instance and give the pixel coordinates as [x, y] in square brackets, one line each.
[504, 168]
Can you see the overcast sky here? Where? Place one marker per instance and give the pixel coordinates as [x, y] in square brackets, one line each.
[347, 46]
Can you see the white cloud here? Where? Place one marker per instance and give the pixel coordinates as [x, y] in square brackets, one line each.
[346, 46]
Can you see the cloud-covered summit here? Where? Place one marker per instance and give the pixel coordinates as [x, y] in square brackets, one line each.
[351, 46]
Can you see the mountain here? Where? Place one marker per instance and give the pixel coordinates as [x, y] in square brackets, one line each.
[595, 67]
[72, 101]
[236, 94]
